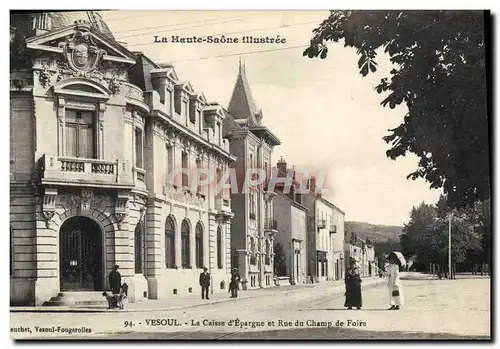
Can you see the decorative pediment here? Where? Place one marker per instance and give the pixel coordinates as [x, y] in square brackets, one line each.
[200, 97]
[82, 46]
[82, 87]
[165, 73]
[186, 86]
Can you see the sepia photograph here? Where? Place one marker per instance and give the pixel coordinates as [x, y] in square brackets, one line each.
[247, 175]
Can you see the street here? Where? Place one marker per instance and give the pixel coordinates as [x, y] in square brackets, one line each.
[438, 309]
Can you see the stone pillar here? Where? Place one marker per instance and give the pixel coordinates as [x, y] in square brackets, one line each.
[243, 267]
[178, 245]
[154, 247]
[226, 242]
[192, 245]
[46, 241]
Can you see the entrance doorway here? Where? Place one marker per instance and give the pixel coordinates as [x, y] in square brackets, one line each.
[81, 255]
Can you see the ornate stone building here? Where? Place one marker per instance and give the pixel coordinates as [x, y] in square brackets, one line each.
[253, 227]
[96, 132]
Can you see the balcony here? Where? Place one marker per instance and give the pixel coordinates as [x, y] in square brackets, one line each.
[78, 171]
[223, 206]
[320, 223]
[270, 224]
[140, 177]
[333, 228]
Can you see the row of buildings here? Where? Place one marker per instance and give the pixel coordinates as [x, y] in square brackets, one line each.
[96, 131]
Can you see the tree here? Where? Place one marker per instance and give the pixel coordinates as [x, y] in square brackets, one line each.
[384, 248]
[426, 236]
[439, 72]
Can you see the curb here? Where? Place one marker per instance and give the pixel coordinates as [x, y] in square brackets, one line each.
[107, 311]
[70, 309]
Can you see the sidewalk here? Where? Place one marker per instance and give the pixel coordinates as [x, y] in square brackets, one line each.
[164, 304]
[195, 301]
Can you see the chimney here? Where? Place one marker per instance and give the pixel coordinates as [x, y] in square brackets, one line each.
[281, 167]
[312, 184]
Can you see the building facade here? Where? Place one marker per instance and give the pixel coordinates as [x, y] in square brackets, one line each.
[95, 134]
[253, 227]
[363, 252]
[292, 230]
[325, 236]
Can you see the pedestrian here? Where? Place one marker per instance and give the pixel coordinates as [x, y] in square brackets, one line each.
[235, 282]
[204, 283]
[352, 287]
[115, 280]
[394, 285]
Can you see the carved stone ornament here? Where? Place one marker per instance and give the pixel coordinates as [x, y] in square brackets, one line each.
[47, 216]
[114, 86]
[120, 216]
[86, 199]
[82, 57]
[45, 77]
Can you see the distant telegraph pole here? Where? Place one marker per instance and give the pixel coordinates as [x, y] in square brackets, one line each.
[449, 246]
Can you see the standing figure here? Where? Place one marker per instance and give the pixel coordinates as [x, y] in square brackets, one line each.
[115, 280]
[204, 283]
[353, 287]
[394, 285]
[234, 284]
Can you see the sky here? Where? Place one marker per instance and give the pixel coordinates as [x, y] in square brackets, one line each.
[325, 113]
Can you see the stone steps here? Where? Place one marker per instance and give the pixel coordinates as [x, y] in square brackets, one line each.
[77, 299]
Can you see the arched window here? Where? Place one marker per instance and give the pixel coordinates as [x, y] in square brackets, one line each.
[170, 243]
[219, 247]
[185, 244]
[199, 246]
[138, 247]
[268, 253]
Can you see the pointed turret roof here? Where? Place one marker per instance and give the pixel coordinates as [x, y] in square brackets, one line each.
[242, 104]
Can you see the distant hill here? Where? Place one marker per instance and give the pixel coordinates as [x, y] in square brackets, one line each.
[373, 232]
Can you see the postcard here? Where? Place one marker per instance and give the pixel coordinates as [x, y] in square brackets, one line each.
[250, 175]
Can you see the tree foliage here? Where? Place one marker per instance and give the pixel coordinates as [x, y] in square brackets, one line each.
[425, 236]
[439, 72]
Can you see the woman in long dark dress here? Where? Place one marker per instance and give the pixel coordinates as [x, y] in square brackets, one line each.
[353, 287]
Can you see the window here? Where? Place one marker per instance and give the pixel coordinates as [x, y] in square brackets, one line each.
[198, 118]
[199, 246]
[185, 244]
[219, 247]
[80, 134]
[253, 251]
[252, 206]
[192, 116]
[169, 166]
[219, 133]
[138, 247]
[184, 169]
[170, 243]
[200, 176]
[268, 253]
[138, 148]
[185, 108]
[168, 101]
[251, 161]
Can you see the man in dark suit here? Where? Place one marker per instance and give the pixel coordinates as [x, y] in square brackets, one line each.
[115, 280]
[234, 284]
[204, 283]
